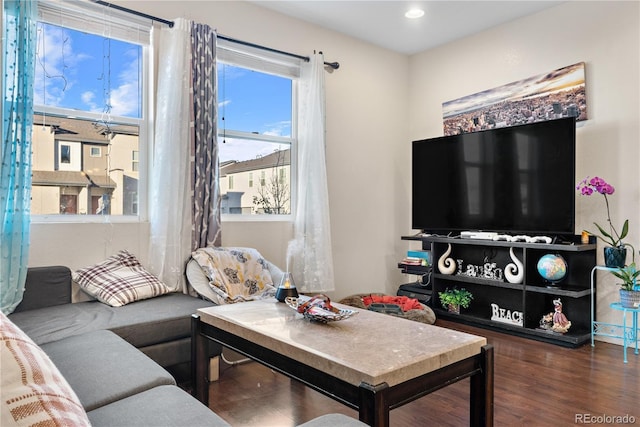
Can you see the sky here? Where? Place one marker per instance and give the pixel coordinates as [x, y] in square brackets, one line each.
[86, 72]
[90, 72]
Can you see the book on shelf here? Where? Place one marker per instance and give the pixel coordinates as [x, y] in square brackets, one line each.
[419, 254]
[414, 261]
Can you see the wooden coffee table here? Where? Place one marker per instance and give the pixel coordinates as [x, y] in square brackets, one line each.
[370, 362]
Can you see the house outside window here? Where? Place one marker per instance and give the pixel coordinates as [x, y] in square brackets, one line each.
[257, 129]
[90, 121]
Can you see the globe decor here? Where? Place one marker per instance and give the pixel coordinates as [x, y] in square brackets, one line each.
[552, 268]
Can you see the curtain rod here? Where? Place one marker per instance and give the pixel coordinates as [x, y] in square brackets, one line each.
[133, 12]
[334, 65]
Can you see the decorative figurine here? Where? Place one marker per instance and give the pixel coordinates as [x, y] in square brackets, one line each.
[556, 321]
[560, 322]
[547, 321]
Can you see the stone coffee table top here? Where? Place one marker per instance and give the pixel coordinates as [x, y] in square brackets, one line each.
[368, 347]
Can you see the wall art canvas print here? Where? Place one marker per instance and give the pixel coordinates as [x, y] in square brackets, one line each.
[559, 93]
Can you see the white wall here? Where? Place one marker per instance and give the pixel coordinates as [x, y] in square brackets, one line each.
[378, 101]
[605, 35]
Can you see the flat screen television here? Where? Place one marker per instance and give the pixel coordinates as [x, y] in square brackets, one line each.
[513, 180]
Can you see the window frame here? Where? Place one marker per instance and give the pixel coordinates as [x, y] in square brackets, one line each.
[50, 12]
[280, 65]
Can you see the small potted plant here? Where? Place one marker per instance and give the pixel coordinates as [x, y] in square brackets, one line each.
[453, 299]
[629, 288]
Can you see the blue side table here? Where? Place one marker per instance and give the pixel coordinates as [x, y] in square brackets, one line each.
[628, 334]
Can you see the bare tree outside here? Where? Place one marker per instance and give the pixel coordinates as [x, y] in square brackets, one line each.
[274, 193]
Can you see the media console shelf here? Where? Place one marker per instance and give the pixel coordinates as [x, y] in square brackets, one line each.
[515, 308]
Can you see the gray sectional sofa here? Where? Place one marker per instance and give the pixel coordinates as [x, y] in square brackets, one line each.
[120, 386]
[114, 358]
[160, 327]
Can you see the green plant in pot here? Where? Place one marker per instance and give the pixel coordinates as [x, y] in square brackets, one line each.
[453, 299]
[629, 288]
[615, 254]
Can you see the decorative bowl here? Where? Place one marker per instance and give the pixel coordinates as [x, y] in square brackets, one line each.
[318, 308]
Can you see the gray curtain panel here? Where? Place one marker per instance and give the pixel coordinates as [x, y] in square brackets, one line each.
[206, 188]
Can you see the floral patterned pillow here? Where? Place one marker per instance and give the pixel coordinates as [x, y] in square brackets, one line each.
[119, 280]
[33, 392]
[235, 274]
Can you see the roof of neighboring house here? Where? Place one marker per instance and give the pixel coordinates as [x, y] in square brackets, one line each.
[275, 159]
[102, 181]
[83, 130]
[70, 179]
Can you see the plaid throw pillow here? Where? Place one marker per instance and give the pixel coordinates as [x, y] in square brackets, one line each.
[33, 392]
[119, 280]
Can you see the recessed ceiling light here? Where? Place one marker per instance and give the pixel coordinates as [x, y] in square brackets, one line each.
[414, 13]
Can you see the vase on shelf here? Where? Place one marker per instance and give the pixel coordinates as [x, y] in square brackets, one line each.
[453, 308]
[630, 299]
[514, 271]
[446, 265]
[615, 257]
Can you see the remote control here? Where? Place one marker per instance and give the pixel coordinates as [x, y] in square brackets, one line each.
[502, 237]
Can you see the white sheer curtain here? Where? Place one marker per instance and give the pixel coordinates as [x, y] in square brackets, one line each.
[169, 200]
[312, 260]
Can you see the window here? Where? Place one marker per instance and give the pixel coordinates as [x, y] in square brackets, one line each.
[256, 130]
[133, 203]
[90, 124]
[65, 154]
[134, 160]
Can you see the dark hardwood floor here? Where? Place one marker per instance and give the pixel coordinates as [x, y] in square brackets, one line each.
[536, 384]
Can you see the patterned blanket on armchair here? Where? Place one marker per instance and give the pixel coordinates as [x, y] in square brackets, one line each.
[235, 274]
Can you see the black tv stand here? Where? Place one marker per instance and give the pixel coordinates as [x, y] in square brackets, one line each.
[531, 299]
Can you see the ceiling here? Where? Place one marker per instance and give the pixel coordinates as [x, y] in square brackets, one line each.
[383, 23]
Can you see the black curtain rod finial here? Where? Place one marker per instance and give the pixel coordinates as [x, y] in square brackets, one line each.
[334, 65]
